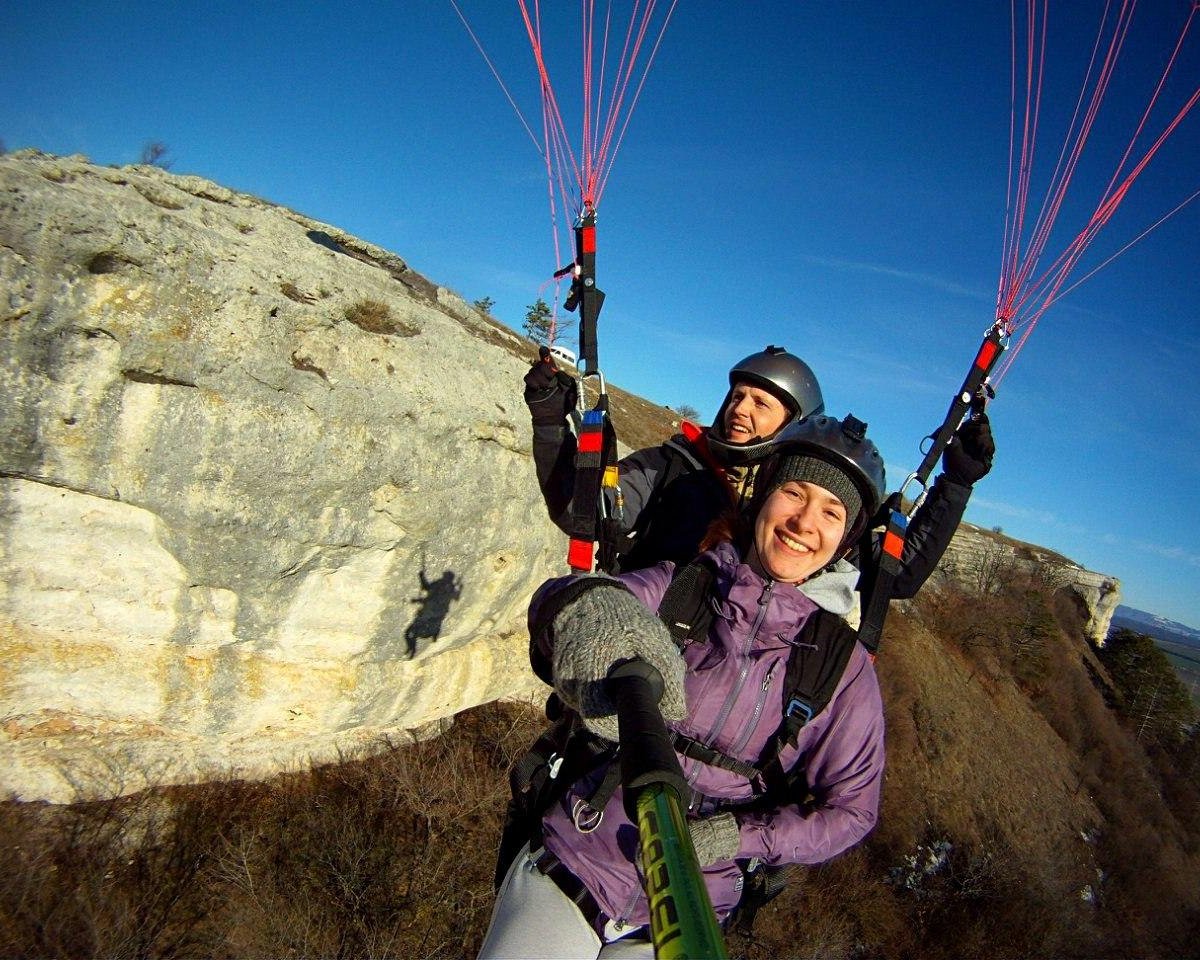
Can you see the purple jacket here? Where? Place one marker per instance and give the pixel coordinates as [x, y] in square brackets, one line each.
[734, 694]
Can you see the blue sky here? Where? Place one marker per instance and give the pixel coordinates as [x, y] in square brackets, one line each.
[826, 175]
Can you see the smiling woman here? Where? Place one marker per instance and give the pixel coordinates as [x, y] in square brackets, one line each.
[755, 742]
[798, 529]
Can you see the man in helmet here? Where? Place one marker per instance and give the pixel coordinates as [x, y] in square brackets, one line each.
[670, 494]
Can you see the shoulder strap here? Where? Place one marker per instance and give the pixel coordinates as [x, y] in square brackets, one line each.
[685, 607]
[814, 670]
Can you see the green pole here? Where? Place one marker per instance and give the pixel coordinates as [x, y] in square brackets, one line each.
[683, 925]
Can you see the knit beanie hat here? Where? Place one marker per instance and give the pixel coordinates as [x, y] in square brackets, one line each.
[808, 469]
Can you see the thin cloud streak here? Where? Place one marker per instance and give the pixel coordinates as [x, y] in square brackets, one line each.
[924, 279]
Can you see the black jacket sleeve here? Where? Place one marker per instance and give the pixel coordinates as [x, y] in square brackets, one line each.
[929, 534]
[554, 461]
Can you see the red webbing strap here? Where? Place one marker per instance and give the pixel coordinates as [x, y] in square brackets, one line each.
[892, 551]
[596, 449]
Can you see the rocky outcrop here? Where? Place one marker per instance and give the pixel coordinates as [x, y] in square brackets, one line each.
[983, 561]
[265, 492]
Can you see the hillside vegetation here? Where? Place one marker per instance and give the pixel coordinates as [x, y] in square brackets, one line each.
[1039, 802]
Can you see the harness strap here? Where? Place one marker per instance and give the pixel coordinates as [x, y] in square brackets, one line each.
[588, 814]
[596, 449]
[971, 395]
[688, 747]
[870, 630]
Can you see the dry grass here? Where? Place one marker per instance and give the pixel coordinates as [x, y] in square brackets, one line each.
[375, 316]
[388, 856]
[1004, 802]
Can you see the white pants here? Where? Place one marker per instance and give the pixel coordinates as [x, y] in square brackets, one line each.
[534, 920]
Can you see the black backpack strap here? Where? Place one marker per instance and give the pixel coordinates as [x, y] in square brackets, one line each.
[814, 670]
[685, 607]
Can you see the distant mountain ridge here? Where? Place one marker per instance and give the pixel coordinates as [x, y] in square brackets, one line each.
[1160, 628]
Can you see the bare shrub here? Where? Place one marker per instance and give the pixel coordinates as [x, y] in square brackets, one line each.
[1010, 627]
[376, 317]
[292, 292]
[993, 568]
[154, 154]
[116, 878]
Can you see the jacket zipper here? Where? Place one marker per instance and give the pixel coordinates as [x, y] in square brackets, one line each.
[763, 602]
[758, 709]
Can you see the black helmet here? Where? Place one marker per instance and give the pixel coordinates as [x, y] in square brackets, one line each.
[782, 374]
[842, 444]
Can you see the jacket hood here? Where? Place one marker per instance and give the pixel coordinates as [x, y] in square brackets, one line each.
[833, 588]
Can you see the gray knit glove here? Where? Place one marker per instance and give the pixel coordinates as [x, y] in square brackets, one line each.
[601, 627]
[715, 838]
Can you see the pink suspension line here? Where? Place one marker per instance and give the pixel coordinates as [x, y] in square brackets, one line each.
[580, 182]
[605, 110]
[496, 74]
[605, 113]
[1023, 297]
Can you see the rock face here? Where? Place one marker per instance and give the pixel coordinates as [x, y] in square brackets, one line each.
[979, 560]
[243, 524]
[265, 492]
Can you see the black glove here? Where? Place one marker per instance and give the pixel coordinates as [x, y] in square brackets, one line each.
[968, 457]
[550, 393]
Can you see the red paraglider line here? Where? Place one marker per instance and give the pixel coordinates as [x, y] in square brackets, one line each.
[636, 96]
[1023, 299]
[625, 66]
[604, 119]
[1058, 189]
[495, 73]
[533, 29]
[1141, 236]
[1063, 172]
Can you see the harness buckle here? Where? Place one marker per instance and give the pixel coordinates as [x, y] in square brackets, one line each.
[585, 818]
[797, 707]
